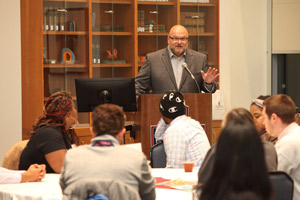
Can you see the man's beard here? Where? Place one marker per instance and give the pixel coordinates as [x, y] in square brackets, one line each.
[178, 52]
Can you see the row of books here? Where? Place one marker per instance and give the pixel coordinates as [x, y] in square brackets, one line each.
[109, 28]
[193, 21]
[155, 0]
[149, 25]
[194, 1]
[182, 1]
[141, 18]
[96, 51]
[152, 28]
[54, 19]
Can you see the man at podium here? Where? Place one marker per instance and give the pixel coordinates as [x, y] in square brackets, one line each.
[184, 138]
[176, 68]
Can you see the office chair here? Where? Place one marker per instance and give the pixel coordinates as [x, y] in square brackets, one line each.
[158, 155]
[283, 185]
[12, 156]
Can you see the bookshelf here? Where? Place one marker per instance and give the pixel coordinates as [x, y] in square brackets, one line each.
[107, 38]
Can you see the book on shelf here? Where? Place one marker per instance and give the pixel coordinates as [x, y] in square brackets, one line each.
[62, 18]
[155, 0]
[193, 21]
[93, 19]
[55, 20]
[96, 51]
[194, 1]
[50, 19]
[109, 28]
[110, 61]
[45, 19]
[141, 20]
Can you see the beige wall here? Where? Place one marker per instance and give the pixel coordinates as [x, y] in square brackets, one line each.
[243, 51]
[243, 60]
[286, 29]
[10, 75]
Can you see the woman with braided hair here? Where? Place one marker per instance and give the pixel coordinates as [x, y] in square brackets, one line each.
[50, 136]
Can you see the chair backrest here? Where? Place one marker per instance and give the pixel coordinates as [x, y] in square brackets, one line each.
[12, 157]
[110, 188]
[158, 155]
[283, 185]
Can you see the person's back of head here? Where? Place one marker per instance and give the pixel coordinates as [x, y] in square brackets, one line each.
[238, 116]
[281, 105]
[108, 119]
[172, 105]
[239, 163]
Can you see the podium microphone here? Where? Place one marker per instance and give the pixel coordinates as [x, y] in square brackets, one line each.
[184, 65]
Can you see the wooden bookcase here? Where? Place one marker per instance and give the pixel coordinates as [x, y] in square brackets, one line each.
[101, 26]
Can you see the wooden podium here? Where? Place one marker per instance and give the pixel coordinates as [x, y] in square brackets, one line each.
[199, 107]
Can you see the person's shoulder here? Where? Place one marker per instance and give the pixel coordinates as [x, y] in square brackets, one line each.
[131, 153]
[157, 53]
[185, 121]
[130, 150]
[80, 148]
[289, 141]
[268, 146]
[48, 129]
[75, 152]
[45, 131]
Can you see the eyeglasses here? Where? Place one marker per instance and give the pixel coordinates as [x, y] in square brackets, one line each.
[177, 39]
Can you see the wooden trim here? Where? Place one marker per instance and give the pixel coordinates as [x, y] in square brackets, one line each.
[32, 63]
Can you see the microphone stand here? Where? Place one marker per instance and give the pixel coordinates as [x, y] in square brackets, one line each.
[184, 65]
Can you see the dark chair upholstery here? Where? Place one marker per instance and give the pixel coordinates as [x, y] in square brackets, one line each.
[158, 156]
[283, 185]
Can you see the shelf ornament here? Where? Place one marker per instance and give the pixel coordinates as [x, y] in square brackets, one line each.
[67, 56]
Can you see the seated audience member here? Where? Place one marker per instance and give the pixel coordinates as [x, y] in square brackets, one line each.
[297, 116]
[241, 116]
[256, 111]
[34, 173]
[279, 113]
[239, 165]
[184, 138]
[51, 139]
[105, 158]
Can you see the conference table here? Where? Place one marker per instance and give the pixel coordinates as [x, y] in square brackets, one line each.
[49, 188]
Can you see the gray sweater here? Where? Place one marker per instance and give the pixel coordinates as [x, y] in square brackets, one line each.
[111, 162]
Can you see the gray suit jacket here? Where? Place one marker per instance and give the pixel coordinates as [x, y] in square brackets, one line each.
[111, 188]
[157, 72]
[117, 162]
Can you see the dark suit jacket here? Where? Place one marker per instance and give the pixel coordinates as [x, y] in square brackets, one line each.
[157, 72]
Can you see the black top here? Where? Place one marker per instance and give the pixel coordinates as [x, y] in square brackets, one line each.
[46, 140]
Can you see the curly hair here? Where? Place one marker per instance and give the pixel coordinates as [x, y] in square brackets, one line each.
[55, 109]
